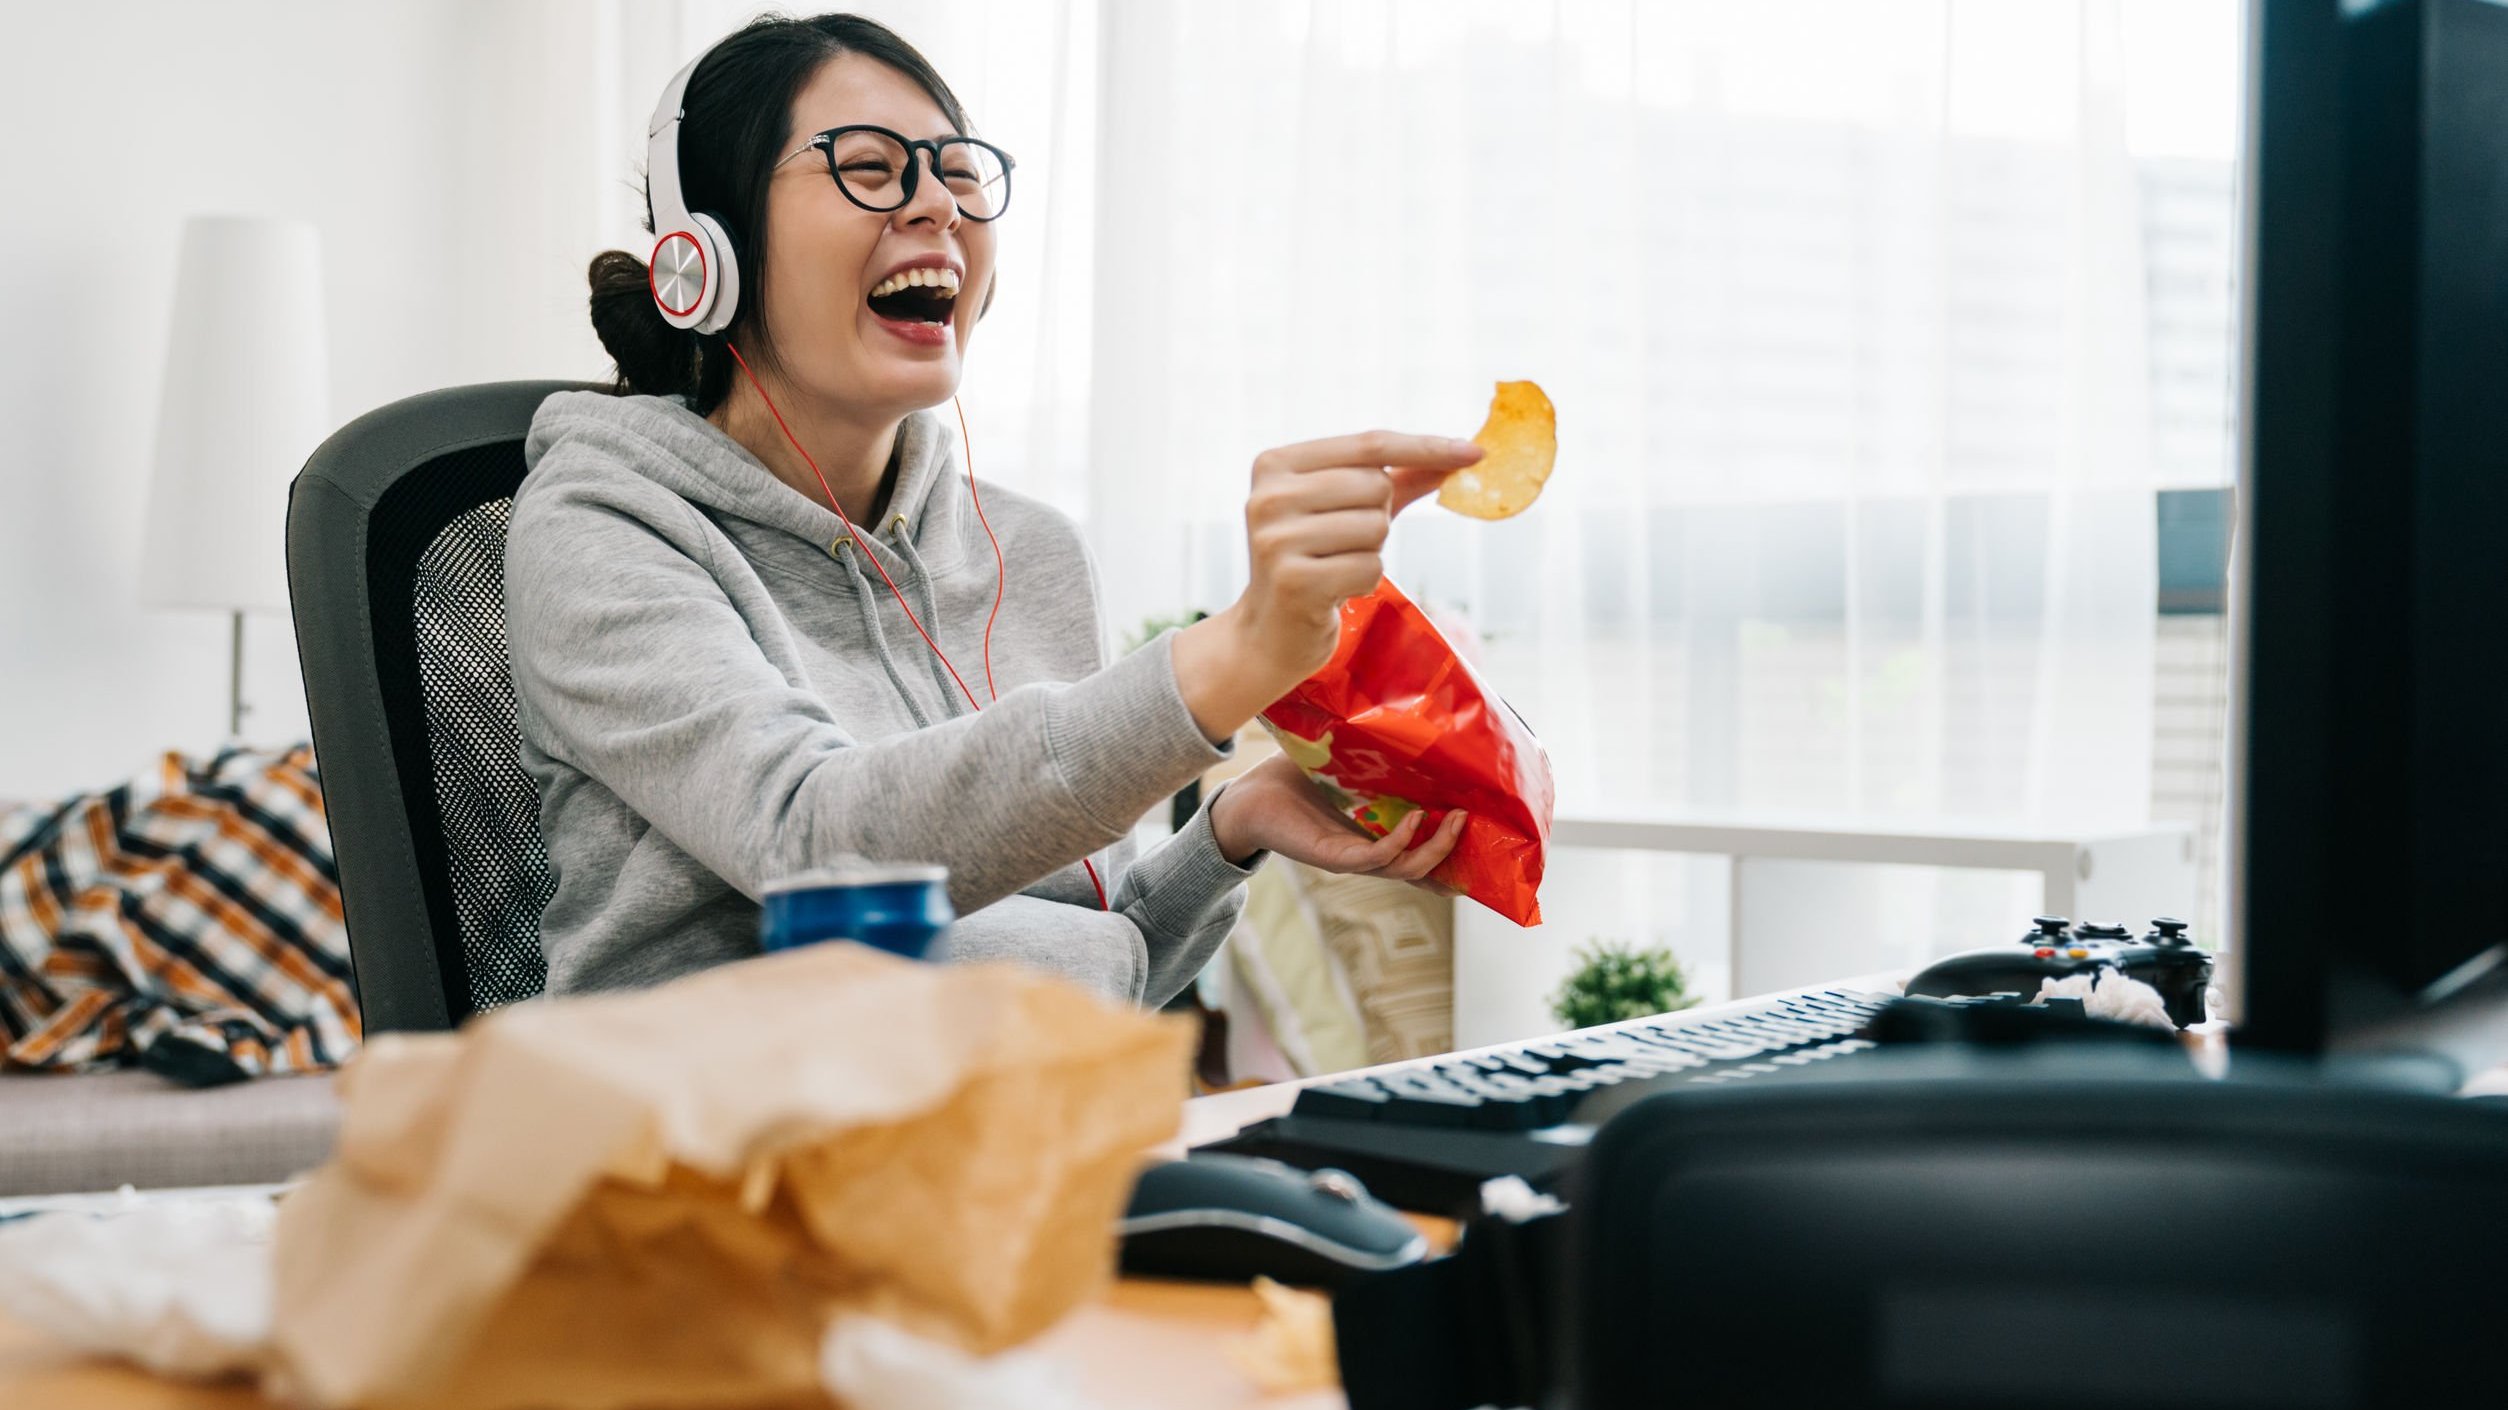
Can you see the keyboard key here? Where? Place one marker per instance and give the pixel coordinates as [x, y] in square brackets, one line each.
[1361, 1099]
[1513, 1104]
[1525, 1063]
[1554, 1099]
[1716, 1049]
[1425, 1101]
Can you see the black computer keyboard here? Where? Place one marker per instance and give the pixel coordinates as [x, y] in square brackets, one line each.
[1426, 1136]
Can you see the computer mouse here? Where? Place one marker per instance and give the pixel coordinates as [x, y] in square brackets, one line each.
[1230, 1218]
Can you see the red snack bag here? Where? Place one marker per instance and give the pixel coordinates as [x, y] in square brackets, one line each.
[1397, 722]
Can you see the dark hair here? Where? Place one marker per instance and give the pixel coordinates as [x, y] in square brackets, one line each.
[738, 109]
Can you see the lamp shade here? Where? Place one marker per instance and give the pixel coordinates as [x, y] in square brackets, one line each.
[247, 398]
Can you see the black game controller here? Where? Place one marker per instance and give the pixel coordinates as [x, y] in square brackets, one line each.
[2164, 959]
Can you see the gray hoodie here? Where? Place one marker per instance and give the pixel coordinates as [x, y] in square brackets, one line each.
[715, 691]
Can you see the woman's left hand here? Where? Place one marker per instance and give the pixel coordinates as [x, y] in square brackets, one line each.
[1272, 807]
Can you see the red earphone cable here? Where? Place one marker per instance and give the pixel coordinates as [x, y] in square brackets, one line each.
[856, 534]
[1001, 584]
[1001, 566]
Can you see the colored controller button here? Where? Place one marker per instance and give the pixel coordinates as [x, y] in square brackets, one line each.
[2078, 953]
[2044, 953]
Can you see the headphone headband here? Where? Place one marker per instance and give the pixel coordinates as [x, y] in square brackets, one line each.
[661, 158]
[694, 276]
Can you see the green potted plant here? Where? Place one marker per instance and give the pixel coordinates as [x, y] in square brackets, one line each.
[1618, 981]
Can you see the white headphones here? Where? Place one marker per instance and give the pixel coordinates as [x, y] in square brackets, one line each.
[694, 276]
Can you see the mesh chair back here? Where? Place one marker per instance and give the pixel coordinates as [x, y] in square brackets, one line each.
[396, 553]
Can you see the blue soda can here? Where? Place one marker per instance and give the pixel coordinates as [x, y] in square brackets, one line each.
[900, 907]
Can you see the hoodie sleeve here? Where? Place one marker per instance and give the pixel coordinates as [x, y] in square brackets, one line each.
[633, 667]
[1184, 895]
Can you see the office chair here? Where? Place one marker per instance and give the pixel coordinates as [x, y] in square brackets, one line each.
[395, 567]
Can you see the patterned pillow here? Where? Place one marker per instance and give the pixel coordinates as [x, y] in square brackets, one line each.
[187, 921]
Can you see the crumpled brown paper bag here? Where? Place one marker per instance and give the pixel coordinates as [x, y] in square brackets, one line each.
[663, 1198]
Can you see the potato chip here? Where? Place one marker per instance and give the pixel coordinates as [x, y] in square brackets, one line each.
[1521, 438]
[1291, 1350]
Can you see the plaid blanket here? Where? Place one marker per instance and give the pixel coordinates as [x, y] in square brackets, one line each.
[186, 921]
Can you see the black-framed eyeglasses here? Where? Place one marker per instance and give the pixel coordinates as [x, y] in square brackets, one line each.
[877, 170]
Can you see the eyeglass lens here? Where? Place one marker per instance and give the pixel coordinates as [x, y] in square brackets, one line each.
[872, 168]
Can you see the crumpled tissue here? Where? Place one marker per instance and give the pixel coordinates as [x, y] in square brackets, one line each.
[181, 1287]
[2113, 995]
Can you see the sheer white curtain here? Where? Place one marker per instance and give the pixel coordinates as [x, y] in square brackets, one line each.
[1842, 307]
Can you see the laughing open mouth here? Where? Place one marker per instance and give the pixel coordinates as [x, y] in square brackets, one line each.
[927, 295]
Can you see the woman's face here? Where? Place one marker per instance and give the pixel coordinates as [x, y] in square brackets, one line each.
[825, 256]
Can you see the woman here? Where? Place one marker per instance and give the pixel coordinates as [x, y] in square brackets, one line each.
[716, 687]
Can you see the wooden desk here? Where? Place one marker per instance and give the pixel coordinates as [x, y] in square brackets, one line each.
[1147, 1346]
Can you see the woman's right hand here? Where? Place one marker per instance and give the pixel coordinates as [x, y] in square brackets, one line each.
[1315, 526]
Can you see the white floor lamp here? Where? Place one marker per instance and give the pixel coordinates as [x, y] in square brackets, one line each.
[247, 398]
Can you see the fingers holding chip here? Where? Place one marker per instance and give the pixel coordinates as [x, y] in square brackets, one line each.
[1521, 440]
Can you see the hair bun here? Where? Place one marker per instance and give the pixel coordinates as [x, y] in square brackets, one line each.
[653, 358]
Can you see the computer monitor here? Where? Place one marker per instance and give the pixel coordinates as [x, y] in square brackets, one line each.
[2370, 578]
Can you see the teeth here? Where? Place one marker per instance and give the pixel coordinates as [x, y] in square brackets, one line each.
[928, 277]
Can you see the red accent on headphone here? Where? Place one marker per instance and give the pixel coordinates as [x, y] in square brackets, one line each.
[705, 273]
[1001, 566]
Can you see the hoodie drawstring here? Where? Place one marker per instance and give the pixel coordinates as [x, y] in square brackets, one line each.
[923, 582]
[842, 551]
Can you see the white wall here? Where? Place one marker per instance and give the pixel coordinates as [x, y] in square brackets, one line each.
[129, 117]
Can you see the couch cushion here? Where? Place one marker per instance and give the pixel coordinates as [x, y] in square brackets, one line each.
[71, 1133]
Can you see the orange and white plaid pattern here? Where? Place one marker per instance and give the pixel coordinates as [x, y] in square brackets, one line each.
[188, 920]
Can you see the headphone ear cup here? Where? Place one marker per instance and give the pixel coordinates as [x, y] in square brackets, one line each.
[723, 300]
[681, 272]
